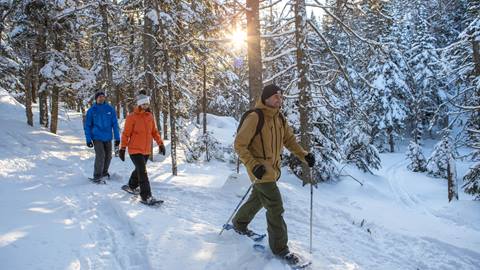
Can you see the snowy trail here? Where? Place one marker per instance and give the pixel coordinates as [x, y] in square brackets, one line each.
[398, 220]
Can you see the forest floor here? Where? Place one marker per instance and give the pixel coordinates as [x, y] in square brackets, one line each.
[53, 217]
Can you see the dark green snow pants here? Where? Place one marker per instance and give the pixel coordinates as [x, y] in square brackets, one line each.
[266, 195]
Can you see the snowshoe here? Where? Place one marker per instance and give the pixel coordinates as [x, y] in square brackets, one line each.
[127, 189]
[97, 180]
[256, 237]
[151, 201]
[295, 261]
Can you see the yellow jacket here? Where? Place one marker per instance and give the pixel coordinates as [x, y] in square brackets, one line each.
[276, 133]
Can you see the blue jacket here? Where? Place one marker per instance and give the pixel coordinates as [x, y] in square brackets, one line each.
[100, 120]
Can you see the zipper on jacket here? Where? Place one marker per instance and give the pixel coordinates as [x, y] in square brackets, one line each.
[146, 133]
[273, 149]
[263, 146]
[276, 143]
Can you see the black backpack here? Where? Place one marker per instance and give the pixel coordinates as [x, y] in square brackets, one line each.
[258, 129]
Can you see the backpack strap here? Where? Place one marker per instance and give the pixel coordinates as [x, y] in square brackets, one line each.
[261, 122]
[258, 129]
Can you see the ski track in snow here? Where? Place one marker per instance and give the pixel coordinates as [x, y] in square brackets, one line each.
[396, 184]
[65, 222]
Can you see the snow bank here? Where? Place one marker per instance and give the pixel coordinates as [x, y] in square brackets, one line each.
[9, 107]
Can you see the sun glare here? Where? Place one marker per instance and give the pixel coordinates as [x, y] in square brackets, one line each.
[238, 38]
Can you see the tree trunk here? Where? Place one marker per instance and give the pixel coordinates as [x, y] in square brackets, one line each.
[254, 51]
[43, 103]
[82, 109]
[204, 99]
[171, 100]
[148, 60]
[1, 30]
[81, 63]
[54, 121]
[107, 69]
[476, 56]
[199, 108]
[391, 141]
[204, 110]
[131, 60]
[452, 180]
[165, 108]
[148, 50]
[118, 99]
[303, 84]
[41, 61]
[149, 63]
[171, 108]
[59, 47]
[34, 81]
[28, 94]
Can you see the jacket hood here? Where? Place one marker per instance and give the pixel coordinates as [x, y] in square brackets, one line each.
[266, 110]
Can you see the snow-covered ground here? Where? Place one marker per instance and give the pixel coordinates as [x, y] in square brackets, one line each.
[52, 217]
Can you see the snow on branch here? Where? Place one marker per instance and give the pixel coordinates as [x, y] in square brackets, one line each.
[265, 82]
[318, 6]
[291, 32]
[69, 11]
[331, 51]
[271, 5]
[275, 57]
[467, 108]
[348, 29]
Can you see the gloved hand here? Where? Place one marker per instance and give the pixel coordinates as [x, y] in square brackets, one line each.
[121, 154]
[310, 158]
[90, 144]
[161, 149]
[259, 171]
[117, 143]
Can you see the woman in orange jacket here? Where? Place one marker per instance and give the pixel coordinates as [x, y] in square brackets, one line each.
[137, 137]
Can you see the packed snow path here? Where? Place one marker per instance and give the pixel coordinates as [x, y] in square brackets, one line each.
[54, 218]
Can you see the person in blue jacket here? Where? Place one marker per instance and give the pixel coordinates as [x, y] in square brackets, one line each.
[101, 120]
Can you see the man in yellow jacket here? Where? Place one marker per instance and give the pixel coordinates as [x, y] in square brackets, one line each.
[261, 156]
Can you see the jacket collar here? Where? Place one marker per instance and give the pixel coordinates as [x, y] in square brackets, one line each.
[270, 112]
[139, 110]
[99, 106]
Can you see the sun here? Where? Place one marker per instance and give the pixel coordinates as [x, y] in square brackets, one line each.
[238, 38]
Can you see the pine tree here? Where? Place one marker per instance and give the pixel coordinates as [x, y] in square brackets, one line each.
[387, 97]
[358, 149]
[472, 181]
[415, 155]
[439, 160]
[471, 34]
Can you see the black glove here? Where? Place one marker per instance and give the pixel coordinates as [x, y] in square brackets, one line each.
[161, 149]
[117, 143]
[89, 144]
[310, 158]
[259, 171]
[121, 154]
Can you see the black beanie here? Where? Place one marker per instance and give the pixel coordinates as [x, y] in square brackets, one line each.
[100, 93]
[269, 91]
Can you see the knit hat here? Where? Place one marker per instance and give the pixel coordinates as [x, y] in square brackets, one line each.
[143, 99]
[99, 93]
[269, 91]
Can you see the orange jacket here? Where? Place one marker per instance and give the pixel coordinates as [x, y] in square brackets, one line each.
[139, 130]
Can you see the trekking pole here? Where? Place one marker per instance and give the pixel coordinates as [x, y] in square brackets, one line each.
[311, 209]
[236, 208]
